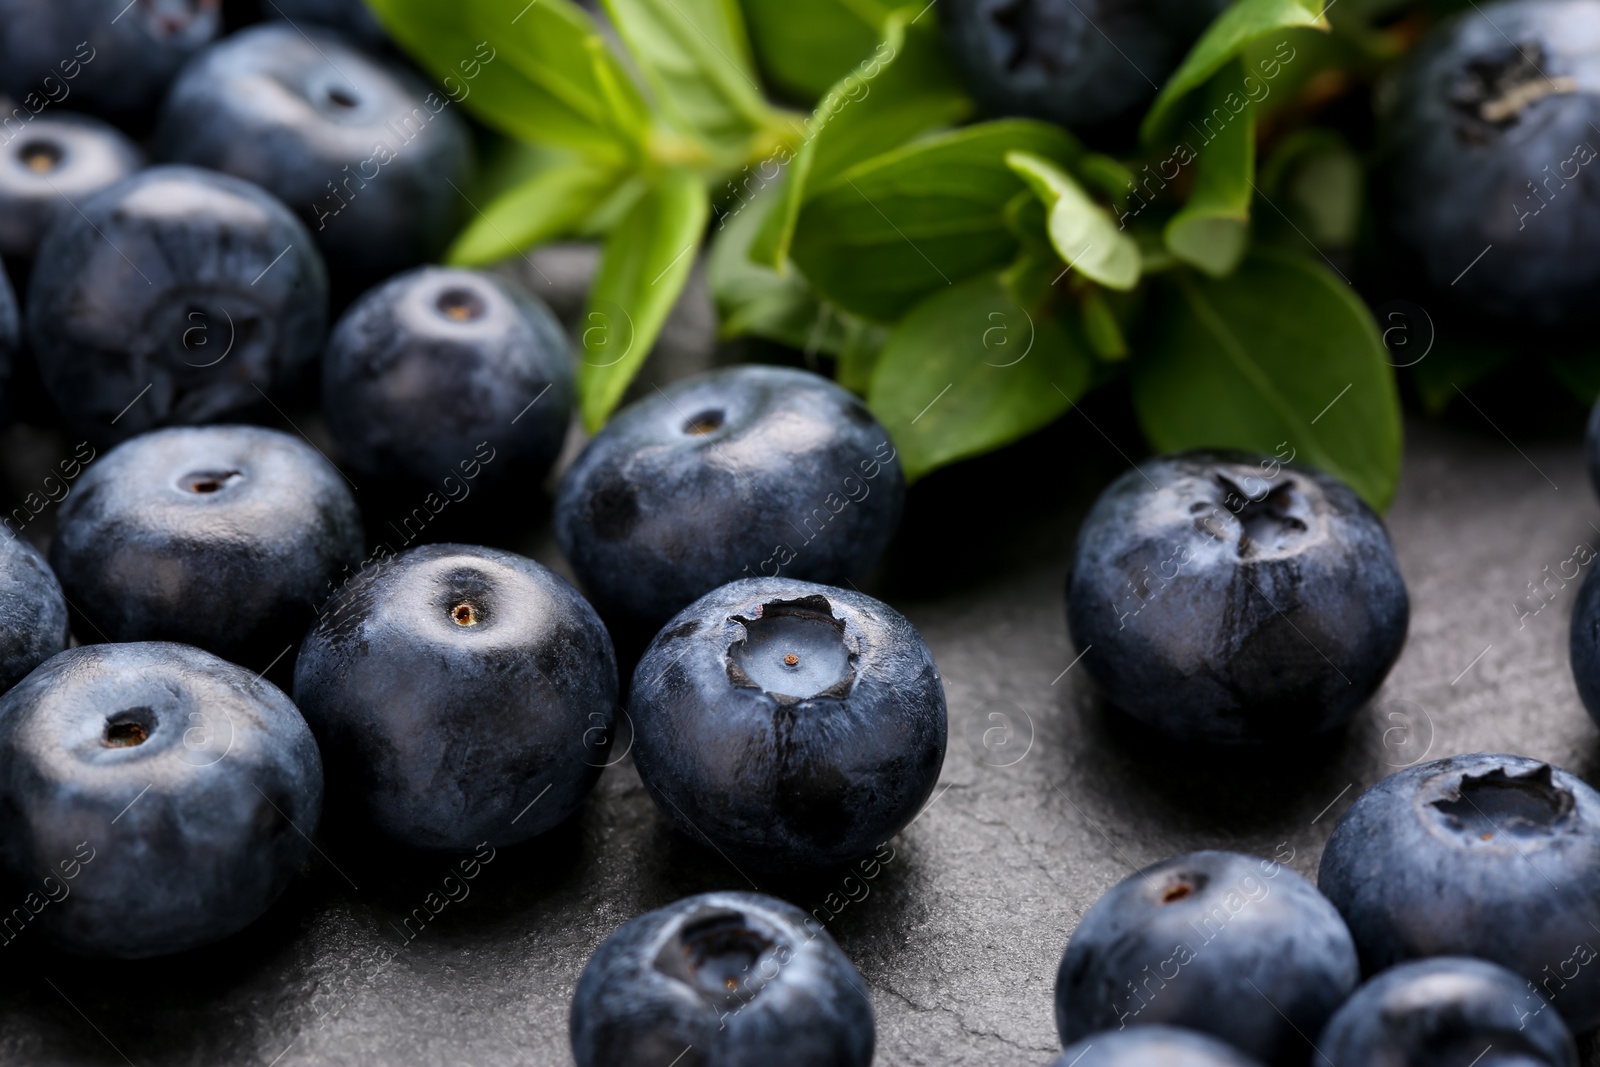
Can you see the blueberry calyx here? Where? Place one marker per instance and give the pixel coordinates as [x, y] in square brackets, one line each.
[129, 728]
[1266, 519]
[705, 422]
[461, 305]
[1495, 802]
[716, 953]
[794, 650]
[41, 157]
[1493, 94]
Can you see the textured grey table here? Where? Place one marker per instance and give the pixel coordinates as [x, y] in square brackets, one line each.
[1045, 800]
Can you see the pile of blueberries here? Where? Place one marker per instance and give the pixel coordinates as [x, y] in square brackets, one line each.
[454, 696]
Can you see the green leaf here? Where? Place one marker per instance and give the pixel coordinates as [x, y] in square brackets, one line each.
[1448, 364]
[1279, 355]
[887, 232]
[551, 203]
[755, 299]
[968, 371]
[905, 89]
[1242, 23]
[804, 47]
[543, 74]
[644, 267]
[1082, 232]
[696, 58]
[1213, 227]
[1316, 178]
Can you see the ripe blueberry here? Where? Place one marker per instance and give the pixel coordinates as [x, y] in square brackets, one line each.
[1487, 141]
[1242, 948]
[350, 17]
[10, 330]
[1479, 855]
[1144, 1046]
[746, 472]
[1447, 1010]
[426, 367]
[1075, 62]
[463, 694]
[175, 791]
[721, 978]
[59, 159]
[1223, 599]
[365, 153]
[224, 537]
[177, 295]
[33, 614]
[104, 58]
[789, 724]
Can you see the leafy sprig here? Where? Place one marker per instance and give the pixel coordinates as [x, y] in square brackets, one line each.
[972, 279]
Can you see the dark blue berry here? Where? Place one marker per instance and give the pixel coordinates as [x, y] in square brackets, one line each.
[350, 17]
[177, 295]
[422, 370]
[171, 794]
[224, 537]
[10, 330]
[1480, 855]
[1075, 62]
[1228, 598]
[464, 695]
[1446, 1012]
[1241, 948]
[33, 614]
[721, 978]
[746, 472]
[361, 149]
[1488, 140]
[107, 56]
[788, 724]
[1151, 1046]
[56, 161]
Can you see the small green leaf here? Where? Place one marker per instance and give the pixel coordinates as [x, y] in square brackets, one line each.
[695, 56]
[1213, 227]
[1316, 178]
[805, 47]
[1233, 30]
[1082, 232]
[643, 269]
[532, 75]
[551, 203]
[904, 89]
[968, 371]
[1100, 326]
[755, 299]
[1279, 355]
[883, 235]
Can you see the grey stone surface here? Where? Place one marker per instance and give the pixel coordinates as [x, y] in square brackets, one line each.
[1046, 799]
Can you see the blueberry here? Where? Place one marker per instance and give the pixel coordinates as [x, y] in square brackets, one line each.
[746, 472]
[350, 17]
[1478, 855]
[1143, 1046]
[1487, 139]
[1075, 62]
[788, 724]
[1592, 446]
[105, 56]
[721, 978]
[176, 295]
[1584, 644]
[224, 537]
[466, 695]
[431, 364]
[1225, 599]
[166, 797]
[364, 152]
[33, 614]
[10, 330]
[1242, 948]
[59, 159]
[1447, 1012]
